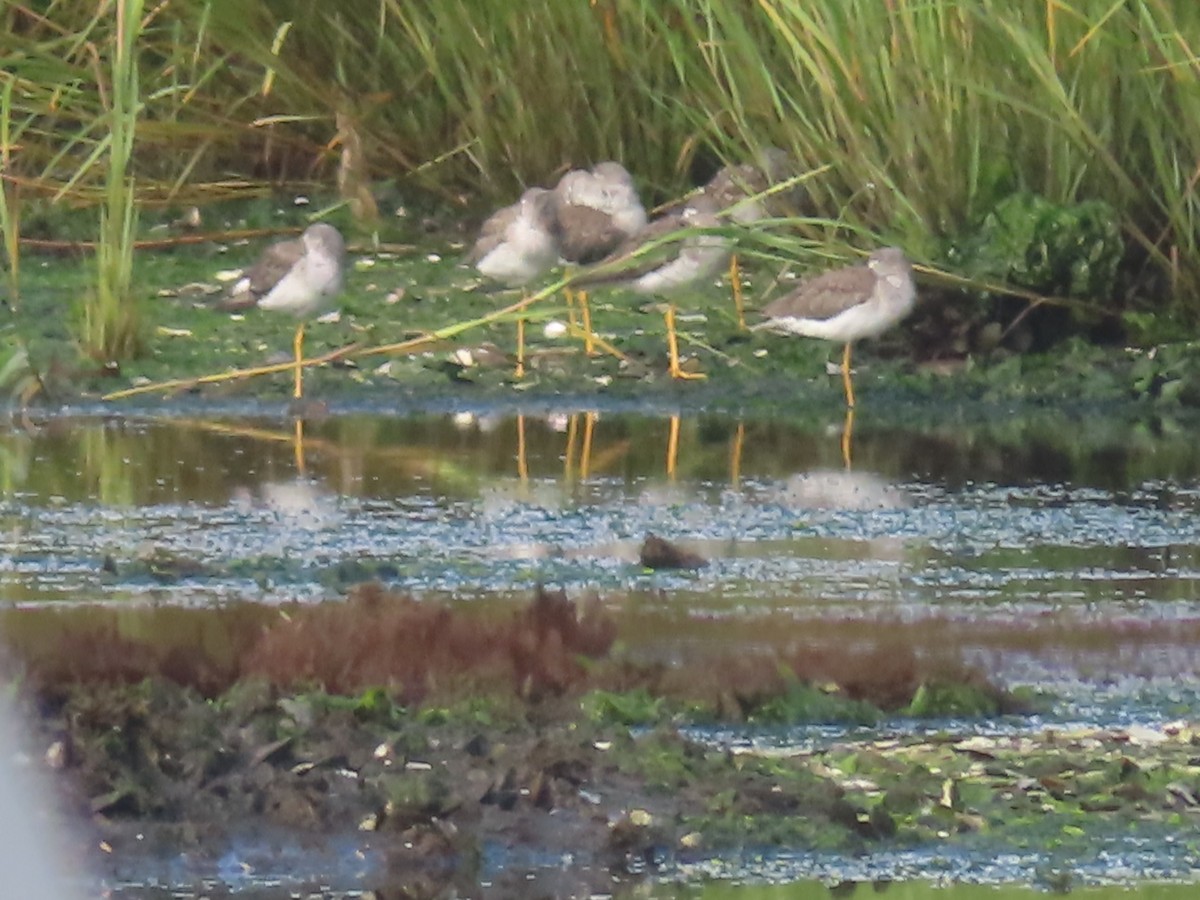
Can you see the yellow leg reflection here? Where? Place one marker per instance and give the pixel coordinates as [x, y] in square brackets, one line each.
[298, 350]
[569, 453]
[735, 279]
[673, 447]
[735, 456]
[298, 446]
[522, 461]
[673, 348]
[585, 455]
[848, 437]
[846, 377]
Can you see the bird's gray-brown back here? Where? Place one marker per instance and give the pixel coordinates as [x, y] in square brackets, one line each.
[275, 261]
[535, 201]
[638, 255]
[594, 211]
[826, 295]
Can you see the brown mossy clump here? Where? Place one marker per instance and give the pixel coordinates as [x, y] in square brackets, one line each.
[885, 670]
[101, 654]
[659, 553]
[429, 654]
[378, 638]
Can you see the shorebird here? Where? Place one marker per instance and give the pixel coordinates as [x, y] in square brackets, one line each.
[651, 263]
[594, 213]
[299, 276]
[515, 246]
[735, 189]
[847, 304]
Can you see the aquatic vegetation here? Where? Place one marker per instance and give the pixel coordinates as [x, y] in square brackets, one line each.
[157, 759]
[1168, 374]
[953, 699]
[803, 702]
[1060, 250]
[635, 707]
[19, 381]
[383, 652]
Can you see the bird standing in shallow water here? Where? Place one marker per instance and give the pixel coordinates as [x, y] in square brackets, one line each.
[651, 263]
[847, 304]
[301, 277]
[594, 213]
[516, 245]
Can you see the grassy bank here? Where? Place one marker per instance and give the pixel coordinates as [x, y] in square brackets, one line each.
[925, 119]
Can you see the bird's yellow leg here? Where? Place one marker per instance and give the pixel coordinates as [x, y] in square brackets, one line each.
[846, 377]
[569, 296]
[589, 345]
[673, 447]
[847, 437]
[673, 348]
[735, 279]
[298, 350]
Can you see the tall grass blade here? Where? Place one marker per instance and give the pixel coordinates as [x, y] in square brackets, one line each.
[112, 320]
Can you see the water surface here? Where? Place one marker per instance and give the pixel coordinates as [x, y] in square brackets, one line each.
[1063, 554]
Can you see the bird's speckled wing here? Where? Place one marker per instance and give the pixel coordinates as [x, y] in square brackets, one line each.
[274, 262]
[734, 183]
[492, 231]
[584, 235]
[623, 264]
[825, 295]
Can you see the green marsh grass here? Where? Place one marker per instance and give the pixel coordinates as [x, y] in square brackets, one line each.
[927, 113]
[10, 208]
[920, 116]
[494, 91]
[112, 327]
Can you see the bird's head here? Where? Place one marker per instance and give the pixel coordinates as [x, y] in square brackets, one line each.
[888, 261]
[321, 237]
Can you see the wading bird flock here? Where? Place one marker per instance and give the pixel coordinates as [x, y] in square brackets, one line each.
[594, 222]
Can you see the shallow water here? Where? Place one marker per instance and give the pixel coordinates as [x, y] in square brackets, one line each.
[1065, 554]
[909, 890]
[1054, 540]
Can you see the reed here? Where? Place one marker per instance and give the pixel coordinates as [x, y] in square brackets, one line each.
[111, 313]
[10, 208]
[493, 92]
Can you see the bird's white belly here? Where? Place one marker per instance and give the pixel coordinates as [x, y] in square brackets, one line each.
[305, 289]
[865, 320]
[692, 265]
[523, 256]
